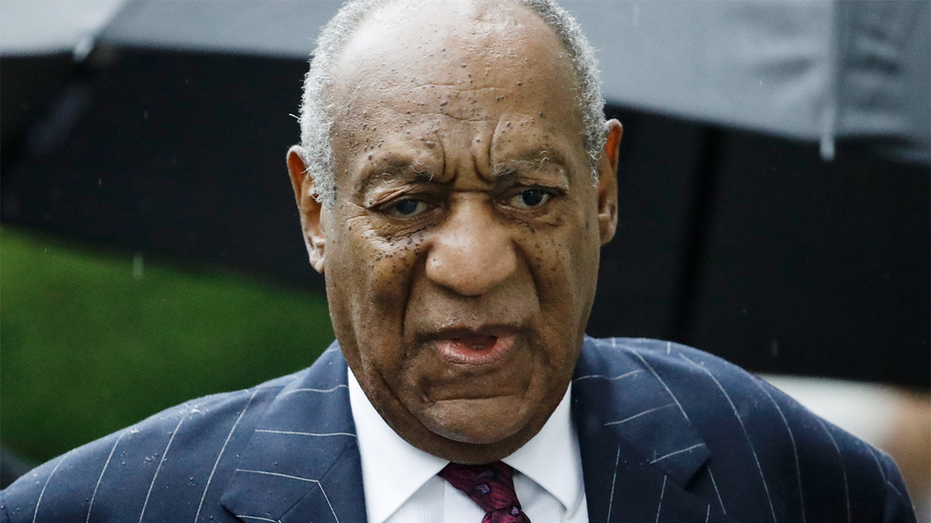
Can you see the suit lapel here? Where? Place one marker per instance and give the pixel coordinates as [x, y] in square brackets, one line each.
[638, 448]
[302, 463]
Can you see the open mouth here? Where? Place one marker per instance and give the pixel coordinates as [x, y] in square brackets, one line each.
[476, 350]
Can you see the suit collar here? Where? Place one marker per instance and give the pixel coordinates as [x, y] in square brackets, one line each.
[302, 462]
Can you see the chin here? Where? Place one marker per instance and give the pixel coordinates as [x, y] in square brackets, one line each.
[479, 422]
[472, 436]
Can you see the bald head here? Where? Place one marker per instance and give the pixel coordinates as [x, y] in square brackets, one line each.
[476, 36]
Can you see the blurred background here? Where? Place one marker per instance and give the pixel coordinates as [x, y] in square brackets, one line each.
[775, 204]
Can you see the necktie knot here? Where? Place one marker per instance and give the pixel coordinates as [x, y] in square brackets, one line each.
[491, 487]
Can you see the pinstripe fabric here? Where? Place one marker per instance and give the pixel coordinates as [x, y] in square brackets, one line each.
[667, 433]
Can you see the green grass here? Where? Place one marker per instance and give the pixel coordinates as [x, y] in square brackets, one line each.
[87, 347]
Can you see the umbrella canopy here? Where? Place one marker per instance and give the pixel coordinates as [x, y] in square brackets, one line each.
[817, 70]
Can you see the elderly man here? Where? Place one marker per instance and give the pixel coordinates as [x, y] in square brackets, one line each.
[455, 181]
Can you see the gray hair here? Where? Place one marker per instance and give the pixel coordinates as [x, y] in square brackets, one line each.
[317, 120]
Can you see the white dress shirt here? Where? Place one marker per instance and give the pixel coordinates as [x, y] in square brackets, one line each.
[401, 485]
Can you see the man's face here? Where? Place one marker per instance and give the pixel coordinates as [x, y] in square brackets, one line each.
[462, 251]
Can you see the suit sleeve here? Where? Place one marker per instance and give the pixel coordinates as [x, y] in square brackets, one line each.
[62, 488]
[898, 507]
[4, 516]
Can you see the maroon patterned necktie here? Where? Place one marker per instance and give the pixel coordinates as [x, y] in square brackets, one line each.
[491, 487]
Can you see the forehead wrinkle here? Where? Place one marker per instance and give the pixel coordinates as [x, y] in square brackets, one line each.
[472, 107]
[363, 93]
[458, 85]
[477, 118]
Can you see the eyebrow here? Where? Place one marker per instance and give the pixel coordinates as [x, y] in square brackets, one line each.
[532, 159]
[400, 168]
[391, 168]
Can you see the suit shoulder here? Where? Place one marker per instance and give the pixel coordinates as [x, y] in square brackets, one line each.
[764, 448]
[656, 356]
[709, 387]
[184, 445]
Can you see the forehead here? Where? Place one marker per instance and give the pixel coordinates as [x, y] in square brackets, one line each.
[492, 30]
[477, 73]
[461, 48]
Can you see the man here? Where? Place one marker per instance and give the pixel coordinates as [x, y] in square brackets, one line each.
[455, 183]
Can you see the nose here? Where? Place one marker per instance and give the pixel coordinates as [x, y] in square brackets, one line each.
[472, 252]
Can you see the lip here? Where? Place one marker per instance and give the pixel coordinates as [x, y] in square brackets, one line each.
[475, 347]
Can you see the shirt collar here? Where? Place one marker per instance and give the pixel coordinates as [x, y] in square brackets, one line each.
[393, 469]
[552, 458]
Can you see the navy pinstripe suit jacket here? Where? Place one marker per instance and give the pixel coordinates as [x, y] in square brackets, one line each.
[667, 434]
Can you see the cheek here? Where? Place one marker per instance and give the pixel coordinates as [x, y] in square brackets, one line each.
[562, 262]
[392, 263]
[584, 258]
[565, 270]
[374, 269]
[368, 279]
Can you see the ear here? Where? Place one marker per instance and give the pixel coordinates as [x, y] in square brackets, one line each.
[311, 211]
[607, 182]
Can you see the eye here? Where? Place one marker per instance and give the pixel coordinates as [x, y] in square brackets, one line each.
[529, 198]
[407, 207]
